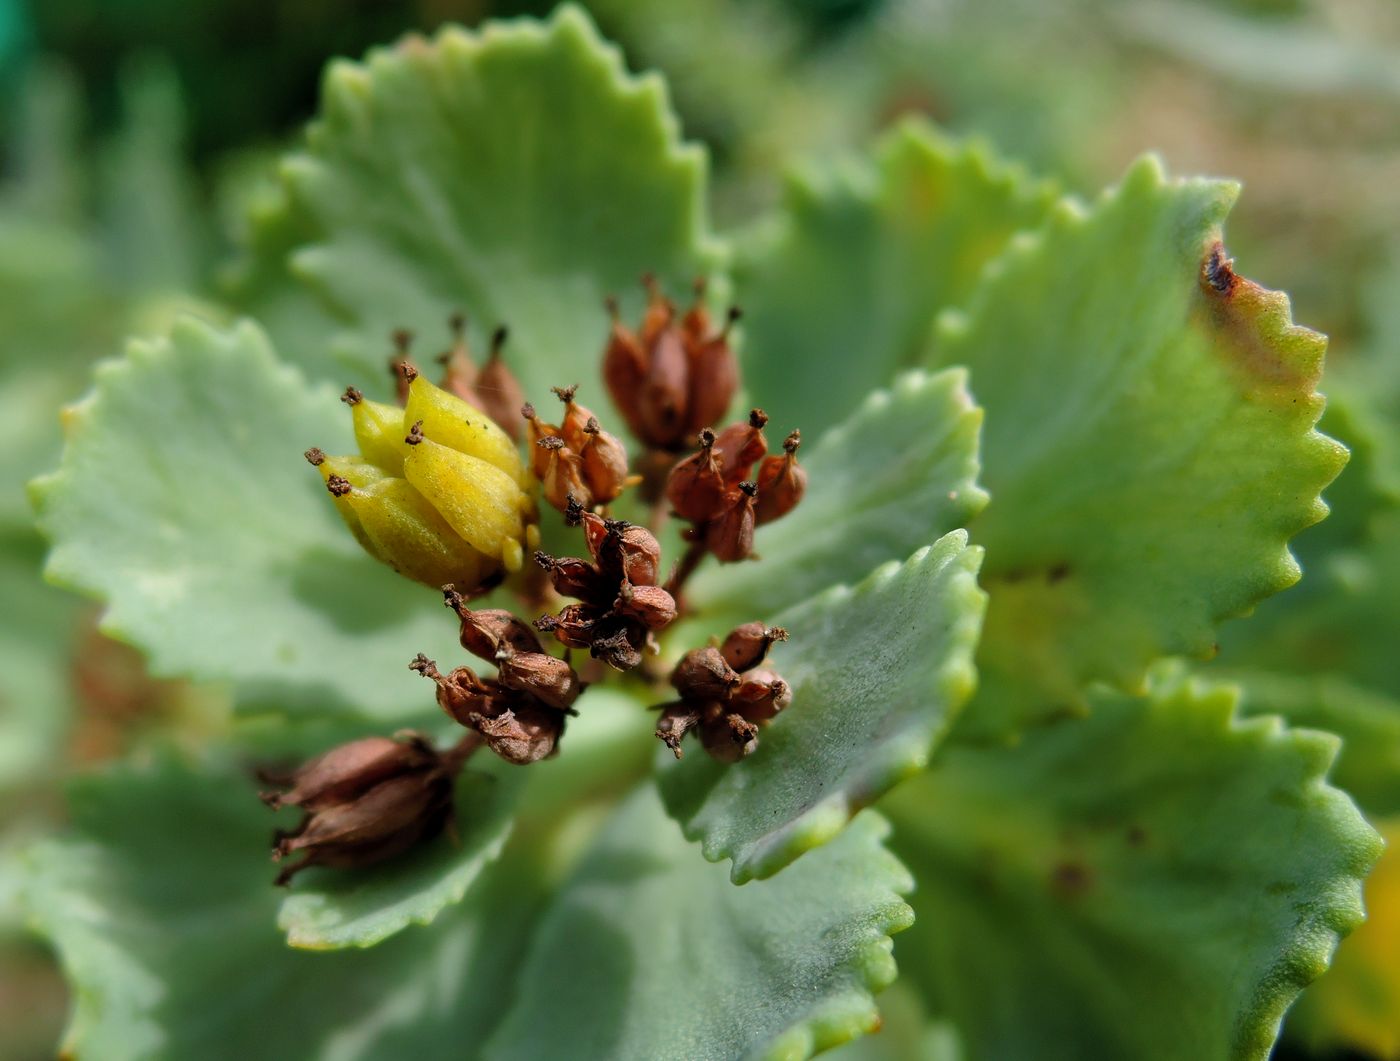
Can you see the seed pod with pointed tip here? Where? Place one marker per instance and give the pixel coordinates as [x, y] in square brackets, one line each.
[660, 313]
[451, 422]
[460, 693]
[347, 770]
[497, 389]
[739, 446]
[523, 732]
[571, 576]
[677, 719]
[641, 552]
[624, 368]
[576, 417]
[714, 375]
[730, 537]
[695, 487]
[650, 605]
[378, 430]
[761, 695]
[563, 474]
[702, 674]
[458, 370]
[618, 641]
[485, 632]
[546, 678]
[338, 473]
[728, 737]
[536, 430]
[665, 391]
[748, 645]
[781, 483]
[414, 539]
[604, 463]
[595, 527]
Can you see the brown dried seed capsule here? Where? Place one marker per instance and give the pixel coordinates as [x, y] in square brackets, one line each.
[740, 445]
[730, 537]
[523, 732]
[624, 368]
[595, 527]
[728, 737]
[345, 771]
[747, 645]
[459, 373]
[641, 552]
[761, 696]
[604, 463]
[618, 642]
[563, 475]
[576, 417]
[664, 391]
[460, 693]
[487, 630]
[574, 626]
[572, 577]
[677, 719]
[781, 483]
[499, 391]
[546, 678]
[650, 605]
[660, 311]
[695, 487]
[702, 674]
[536, 430]
[695, 324]
[714, 377]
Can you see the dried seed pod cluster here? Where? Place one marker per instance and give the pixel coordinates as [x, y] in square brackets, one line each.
[620, 604]
[722, 496]
[726, 694]
[438, 491]
[674, 374]
[520, 713]
[365, 801]
[575, 458]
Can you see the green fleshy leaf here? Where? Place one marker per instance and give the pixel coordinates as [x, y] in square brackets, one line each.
[878, 673]
[519, 173]
[161, 907]
[648, 952]
[844, 288]
[183, 502]
[1368, 766]
[1149, 443]
[330, 910]
[899, 473]
[1158, 880]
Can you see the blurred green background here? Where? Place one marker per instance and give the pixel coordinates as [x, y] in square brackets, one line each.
[135, 135]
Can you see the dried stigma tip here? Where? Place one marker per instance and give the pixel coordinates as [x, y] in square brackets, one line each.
[352, 396]
[565, 394]
[338, 485]
[527, 411]
[793, 440]
[758, 419]
[407, 371]
[591, 426]
[551, 442]
[415, 433]
[315, 457]
[421, 664]
[706, 439]
[749, 487]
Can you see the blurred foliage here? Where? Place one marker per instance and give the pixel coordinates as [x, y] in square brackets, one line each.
[125, 123]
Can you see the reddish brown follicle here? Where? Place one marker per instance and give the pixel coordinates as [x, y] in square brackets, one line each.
[664, 392]
[782, 482]
[761, 695]
[497, 388]
[641, 552]
[573, 627]
[487, 631]
[677, 719]
[703, 675]
[563, 474]
[714, 378]
[546, 678]
[728, 737]
[571, 576]
[739, 446]
[523, 732]
[460, 693]
[651, 605]
[624, 368]
[575, 419]
[747, 645]
[347, 770]
[695, 487]
[730, 537]
[604, 462]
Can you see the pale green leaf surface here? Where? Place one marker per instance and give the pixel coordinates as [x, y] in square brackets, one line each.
[519, 173]
[900, 472]
[648, 952]
[841, 292]
[329, 910]
[878, 672]
[183, 502]
[161, 907]
[1158, 880]
[1149, 443]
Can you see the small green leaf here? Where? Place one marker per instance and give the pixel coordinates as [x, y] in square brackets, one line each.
[161, 907]
[1149, 443]
[899, 473]
[648, 952]
[183, 502]
[1158, 880]
[878, 673]
[519, 173]
[843, 290]
[330, 910]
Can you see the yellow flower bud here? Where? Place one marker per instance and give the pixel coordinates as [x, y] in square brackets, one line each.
[438, 492]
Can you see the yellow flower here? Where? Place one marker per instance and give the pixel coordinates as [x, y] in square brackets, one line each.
[438, 491]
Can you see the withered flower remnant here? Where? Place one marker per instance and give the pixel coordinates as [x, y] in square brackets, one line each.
[438, 491]
[366, 801]
[726, 695]
[675, 374]
[575, 458]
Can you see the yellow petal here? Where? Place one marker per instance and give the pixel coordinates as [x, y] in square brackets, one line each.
[412, 538]
[379, 432]
[479, 500]
[451, 422]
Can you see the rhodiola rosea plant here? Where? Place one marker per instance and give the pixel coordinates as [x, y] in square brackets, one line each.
[1025, 451]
